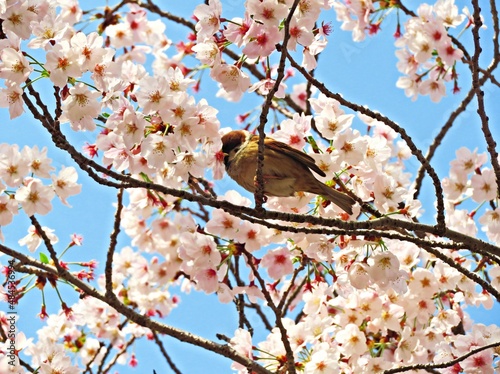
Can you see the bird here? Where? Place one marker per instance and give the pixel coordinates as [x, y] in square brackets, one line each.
[286, 170]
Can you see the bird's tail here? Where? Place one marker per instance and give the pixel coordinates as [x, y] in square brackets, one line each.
[345, 202]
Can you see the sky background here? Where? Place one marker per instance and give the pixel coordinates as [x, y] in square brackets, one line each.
[364, 73]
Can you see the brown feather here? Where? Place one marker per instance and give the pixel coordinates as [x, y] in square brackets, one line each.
[299, 156]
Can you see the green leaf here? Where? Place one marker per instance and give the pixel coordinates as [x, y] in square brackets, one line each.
[44, 258]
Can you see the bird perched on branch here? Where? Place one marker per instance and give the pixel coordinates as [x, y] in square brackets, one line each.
[285, 171]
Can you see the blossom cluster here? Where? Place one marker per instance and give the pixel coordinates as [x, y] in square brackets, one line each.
[257, 34]
[81, 332]
[470, 179]
[27, 181]
[427, 54]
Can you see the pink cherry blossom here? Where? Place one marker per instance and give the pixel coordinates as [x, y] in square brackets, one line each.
[14, 165]
[435, 88]
[8, 208]
[484, 186]
[49, 29]
[81, 107]
[264, 86]
[64, 183]
[456, 185]
[277, 262]
[352, 340]
[207, 52]
[467, 161]
[59, 363]
[17, 18]
[323, 361]
[232, 79]
[11, 97]
[208, 16]
[267, 12]
[62, 63]
[14, 66]
[263, 40]
[241, 342]
[34, 197]
[33, 240]
[40, 164]
[330, 124]
[236, 31]
[206, 279]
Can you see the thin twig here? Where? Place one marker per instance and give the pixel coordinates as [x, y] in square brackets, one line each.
[160, 345]
[108, 270]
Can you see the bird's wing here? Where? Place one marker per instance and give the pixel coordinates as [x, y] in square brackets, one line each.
[297, 155]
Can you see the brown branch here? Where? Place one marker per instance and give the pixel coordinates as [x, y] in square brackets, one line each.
[261, 314]
[109, 348]
[259, 193]
[479, 93]
[444, 364]
[163, 351]
[149, 5]
[235, 269]
[469, 274]
[108, 270]
[41, 232]
[284, 300]
[496, 30]
[239, 211]
[294, 294]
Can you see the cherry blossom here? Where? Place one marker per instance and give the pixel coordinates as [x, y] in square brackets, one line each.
[484, 186]
[11, 97]
[33, 240]
[49, 29]
[17, 18]
[236, 30]
[81, 107]
[352, 340]
[8, 208]
[277, 262]
[14, 66]
[62, 63]
[40, 164]
[14, 165]
[64, 183]
[34, 197]
[267, 12]
[232, 79]
[263, 39]
[208, 16]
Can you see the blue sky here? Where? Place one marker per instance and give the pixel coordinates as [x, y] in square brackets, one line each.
[364, 73]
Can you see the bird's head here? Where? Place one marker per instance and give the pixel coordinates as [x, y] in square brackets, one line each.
[232, 142]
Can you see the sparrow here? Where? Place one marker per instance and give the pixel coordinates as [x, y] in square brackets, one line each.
[286, 170]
